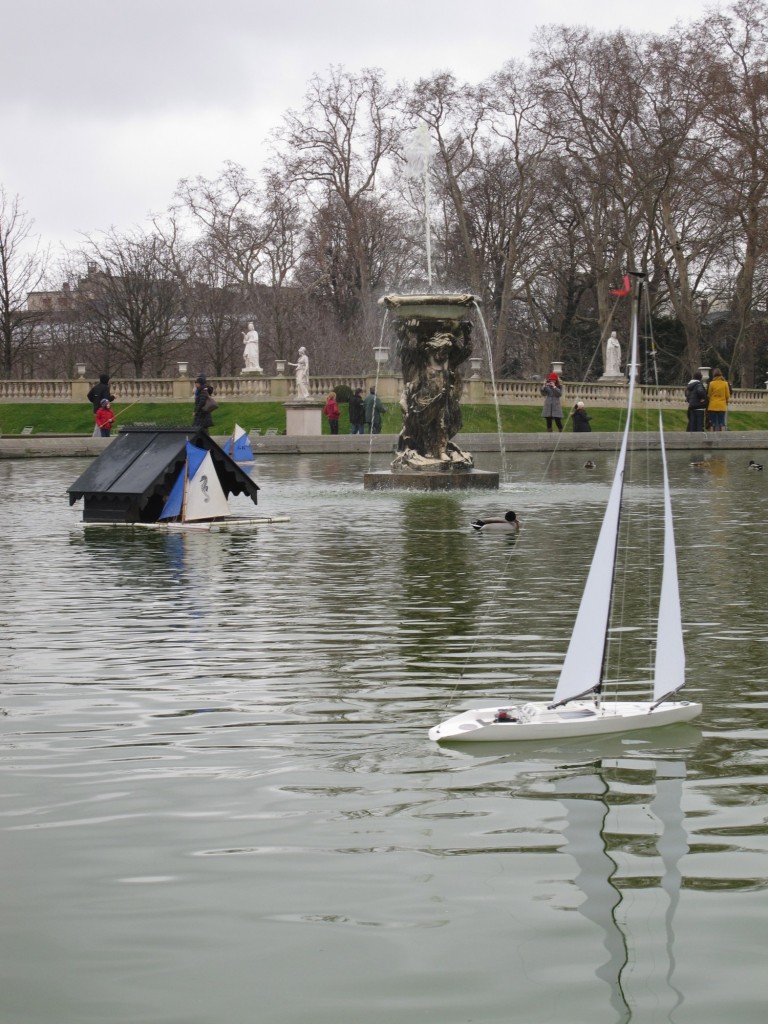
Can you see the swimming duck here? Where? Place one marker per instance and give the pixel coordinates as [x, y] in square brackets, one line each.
[754, 465]
[589, 464]
[509, 522]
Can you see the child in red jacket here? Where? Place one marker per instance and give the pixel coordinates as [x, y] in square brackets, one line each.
[105, 418]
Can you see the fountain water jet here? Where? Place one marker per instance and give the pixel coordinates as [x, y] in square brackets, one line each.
[434, 337]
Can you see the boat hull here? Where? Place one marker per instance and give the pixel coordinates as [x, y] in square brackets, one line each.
[579, 718]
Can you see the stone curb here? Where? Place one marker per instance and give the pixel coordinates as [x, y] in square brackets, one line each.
[79, 446]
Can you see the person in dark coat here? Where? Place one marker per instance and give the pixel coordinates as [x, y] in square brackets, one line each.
[357, 413]
[696, 397]
[96, 396]
[374, 410]
[99, 392]
[202, 419]
[580, 419]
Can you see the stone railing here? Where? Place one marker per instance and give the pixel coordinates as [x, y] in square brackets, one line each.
[277, 389]
[36, 390]
[513, 392]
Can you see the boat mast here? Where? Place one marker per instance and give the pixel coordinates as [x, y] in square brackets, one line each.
[633, 367]
[184, 494]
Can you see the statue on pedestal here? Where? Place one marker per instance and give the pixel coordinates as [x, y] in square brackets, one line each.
[302, 374]
[613, 356]
[251, 350]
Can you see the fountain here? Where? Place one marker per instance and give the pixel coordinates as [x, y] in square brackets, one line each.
[433, 339]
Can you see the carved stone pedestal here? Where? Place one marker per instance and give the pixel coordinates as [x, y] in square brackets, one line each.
[304, 418]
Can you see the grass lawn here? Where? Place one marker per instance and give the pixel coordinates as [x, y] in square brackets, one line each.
[67, 418]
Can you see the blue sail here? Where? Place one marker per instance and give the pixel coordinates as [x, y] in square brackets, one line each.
[239, 447]
[243, 450]
[174, 505]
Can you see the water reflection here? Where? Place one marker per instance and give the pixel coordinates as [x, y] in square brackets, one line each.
[591, 794]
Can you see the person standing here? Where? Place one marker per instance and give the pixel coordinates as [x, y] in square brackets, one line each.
[96, 396]
[580, 419]
[553, 410]
[104, 419]
[204, 404]
[718, 396]
[332, 412]
[696, 397]
[357, 413]
[374, 410]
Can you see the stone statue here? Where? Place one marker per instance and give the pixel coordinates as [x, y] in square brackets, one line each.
[251, 350]
[613, 356]
[302, 374]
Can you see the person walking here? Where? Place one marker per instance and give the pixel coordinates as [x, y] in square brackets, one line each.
[553, 410]
[357, 413]
[332, 412]
[374, 410]
[96, 396]
[580, 419]
[104, 419]
[204, 404]
[696, 397]
[718, 396]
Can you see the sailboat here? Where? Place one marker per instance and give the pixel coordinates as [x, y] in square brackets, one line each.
[239, 447]
[577, 708]
[197, 500]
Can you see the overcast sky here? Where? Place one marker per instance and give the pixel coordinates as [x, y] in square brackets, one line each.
[106, 104]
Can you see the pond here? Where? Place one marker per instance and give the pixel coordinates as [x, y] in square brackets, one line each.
[219, 802]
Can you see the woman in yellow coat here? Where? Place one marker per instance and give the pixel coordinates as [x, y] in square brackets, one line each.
[718, 394]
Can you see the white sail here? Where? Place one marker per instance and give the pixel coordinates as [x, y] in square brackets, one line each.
[205, 498]
[669, 671]
[583, 666]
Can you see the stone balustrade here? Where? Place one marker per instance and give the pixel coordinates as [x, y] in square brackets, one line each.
[277, 389]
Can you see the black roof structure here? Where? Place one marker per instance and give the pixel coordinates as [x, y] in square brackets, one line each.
[132, 478]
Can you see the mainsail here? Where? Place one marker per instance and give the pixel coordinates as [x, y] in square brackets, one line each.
[583, 666]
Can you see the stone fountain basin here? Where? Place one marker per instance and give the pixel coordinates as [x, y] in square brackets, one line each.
[430, 307]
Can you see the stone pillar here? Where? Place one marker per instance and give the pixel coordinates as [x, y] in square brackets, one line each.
[80, 389]
[279, 387]
[387, 387]
[182, 389]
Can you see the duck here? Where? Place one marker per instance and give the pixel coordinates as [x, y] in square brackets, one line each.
[589, 464]
[509, 522]
[754, 465]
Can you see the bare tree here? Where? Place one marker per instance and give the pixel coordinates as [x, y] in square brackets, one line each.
[336, 148]
[22, 268]
[132, 302]
[592, 121]
[737, 87]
